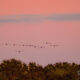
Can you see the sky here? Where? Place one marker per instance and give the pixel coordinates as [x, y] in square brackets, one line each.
[51, 27]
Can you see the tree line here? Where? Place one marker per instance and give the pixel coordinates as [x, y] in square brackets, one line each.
[16, 70]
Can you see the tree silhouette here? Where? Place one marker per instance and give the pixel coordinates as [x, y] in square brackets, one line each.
[16, 70]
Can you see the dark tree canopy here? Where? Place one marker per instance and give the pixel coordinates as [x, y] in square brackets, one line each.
[16, 70]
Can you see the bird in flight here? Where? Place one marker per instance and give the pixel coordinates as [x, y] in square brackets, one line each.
[14, 44]
[19, 51]
[6, 44]
[44, 45]
[47, 43]
[55, 45]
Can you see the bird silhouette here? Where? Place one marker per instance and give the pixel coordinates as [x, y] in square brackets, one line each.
[55, 45]
[6, 44]
[45, 45]
[19, 51]
[14, 44]
[42, 47]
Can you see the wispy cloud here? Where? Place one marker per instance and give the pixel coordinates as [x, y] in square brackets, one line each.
[39, 18]
[64, 17]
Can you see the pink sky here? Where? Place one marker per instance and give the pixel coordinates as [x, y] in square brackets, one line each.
[8, 7]
[65, 33]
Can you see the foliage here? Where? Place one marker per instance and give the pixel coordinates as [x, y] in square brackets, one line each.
[16, 70]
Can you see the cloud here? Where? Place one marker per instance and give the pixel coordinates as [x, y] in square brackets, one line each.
[64, 17]
[39, 18]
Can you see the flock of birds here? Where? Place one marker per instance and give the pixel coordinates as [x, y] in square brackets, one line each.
[44, 45]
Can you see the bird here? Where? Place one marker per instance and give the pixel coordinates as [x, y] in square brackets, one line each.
[23, 45]
[47, 43]
[35, 46]
[41, 47]
[14, 44]
[55, 45]
[6, 44]
[19, 51]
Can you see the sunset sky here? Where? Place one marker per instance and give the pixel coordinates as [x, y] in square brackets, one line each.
[41, 23]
